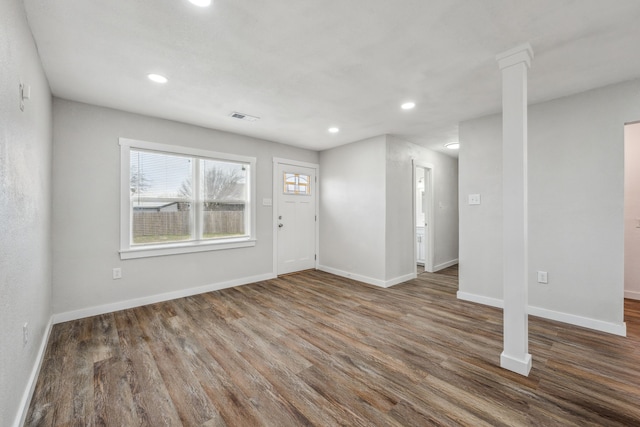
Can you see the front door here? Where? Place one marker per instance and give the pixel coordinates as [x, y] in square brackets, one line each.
[296, 218]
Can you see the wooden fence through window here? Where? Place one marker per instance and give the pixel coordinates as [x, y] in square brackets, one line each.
[178, 223]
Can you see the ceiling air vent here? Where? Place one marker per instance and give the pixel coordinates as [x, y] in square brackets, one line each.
[244, 117]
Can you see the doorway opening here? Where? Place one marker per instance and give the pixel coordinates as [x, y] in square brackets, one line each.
[632, 210]
[423, 224]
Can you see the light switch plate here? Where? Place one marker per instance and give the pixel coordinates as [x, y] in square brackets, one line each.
[474, 199]
[267, 202]
[543, 277]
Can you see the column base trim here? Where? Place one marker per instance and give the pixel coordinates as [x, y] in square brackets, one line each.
[519, 366]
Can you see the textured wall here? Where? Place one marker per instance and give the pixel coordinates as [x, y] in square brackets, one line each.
[352, 208]
[25, 207]
[576, 168]
[86, 210]
[366, 207]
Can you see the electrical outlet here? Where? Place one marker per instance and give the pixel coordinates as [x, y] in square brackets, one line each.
[542, 277]
[117, 273]
[25, 334]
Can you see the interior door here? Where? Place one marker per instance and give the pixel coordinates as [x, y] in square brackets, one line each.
[420, 214]
[425, 216]
[296, 218]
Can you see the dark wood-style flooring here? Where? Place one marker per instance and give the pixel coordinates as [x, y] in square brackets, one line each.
[316, 349]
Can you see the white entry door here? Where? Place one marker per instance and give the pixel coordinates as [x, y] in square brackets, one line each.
[296, 217]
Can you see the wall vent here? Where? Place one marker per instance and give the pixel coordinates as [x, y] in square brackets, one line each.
[245, 117]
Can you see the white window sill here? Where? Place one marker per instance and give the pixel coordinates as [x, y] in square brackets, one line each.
[184, 248]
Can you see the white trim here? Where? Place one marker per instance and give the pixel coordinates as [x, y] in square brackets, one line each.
[275, 200]
[413, 216]
[585, 322]
[445, 265]
[129, 251]
[368, 280]
[274, 213]
[480, 299]
[431, 217]
[516, 55]
[522, 367]
[358, 277]
[632, 294]
[400, 279]
[27, 395]
[296, 163]
[137, 302]
[184, 248]
[125, 183]
[571, 319]
[189, 151]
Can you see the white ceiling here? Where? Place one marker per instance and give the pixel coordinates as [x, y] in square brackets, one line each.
[305, 65]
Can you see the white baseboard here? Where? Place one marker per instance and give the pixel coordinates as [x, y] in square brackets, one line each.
[522, 367]
[152, 299]
[33, 378]
[368, 280]
[445, 265]
[632, 294]
[572, 319]
[358, 277]
[400, 279]
[480, 299]
[585, 322]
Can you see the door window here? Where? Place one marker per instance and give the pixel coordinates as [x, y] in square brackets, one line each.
[296, 183]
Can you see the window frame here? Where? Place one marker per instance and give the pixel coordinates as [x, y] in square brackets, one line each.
[130, 251]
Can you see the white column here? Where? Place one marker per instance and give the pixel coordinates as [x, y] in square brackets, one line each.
[514, 65]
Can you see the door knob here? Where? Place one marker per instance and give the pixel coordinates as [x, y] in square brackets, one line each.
[280, 225]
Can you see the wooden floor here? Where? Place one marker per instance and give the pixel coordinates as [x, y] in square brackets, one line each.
[316, 349]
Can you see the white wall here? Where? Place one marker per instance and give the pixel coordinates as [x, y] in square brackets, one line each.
[480, 165]
[632, 211]
[575, 206]
[25, 209]
[86, 211]
[352, 209]
[366, 209]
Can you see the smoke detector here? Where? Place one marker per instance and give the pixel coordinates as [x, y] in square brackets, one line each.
[245, 117]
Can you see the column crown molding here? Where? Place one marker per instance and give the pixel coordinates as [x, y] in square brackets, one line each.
[521, 53]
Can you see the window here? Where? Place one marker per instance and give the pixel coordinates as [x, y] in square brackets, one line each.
[295, 183]
[178, 200]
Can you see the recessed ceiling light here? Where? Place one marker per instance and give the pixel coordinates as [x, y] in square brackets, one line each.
[408, 105]
[201, 3]
[452, 145]
[157, 78]
[334, 130]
